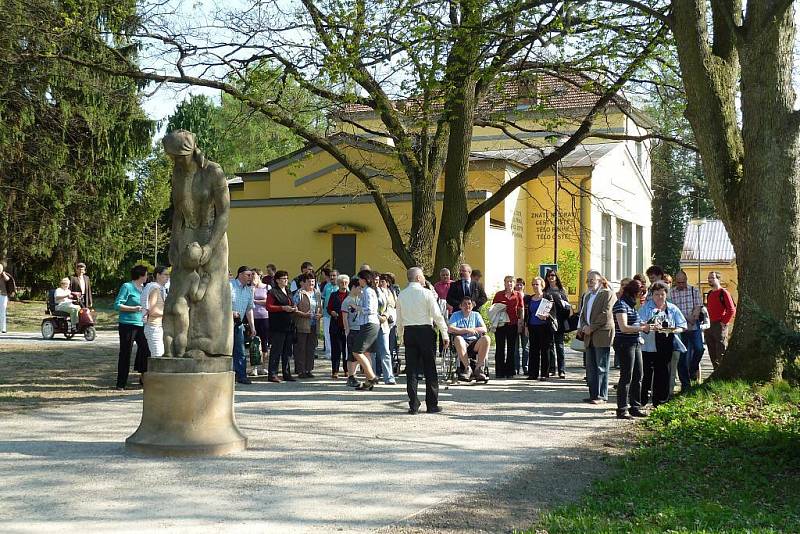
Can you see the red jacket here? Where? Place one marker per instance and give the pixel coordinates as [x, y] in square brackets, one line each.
[721, 308]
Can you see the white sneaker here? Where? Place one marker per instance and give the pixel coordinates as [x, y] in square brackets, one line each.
[264, 371]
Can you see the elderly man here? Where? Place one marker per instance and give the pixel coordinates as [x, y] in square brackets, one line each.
[242, 306]
[689, 300]
[596, 323]
[465, 286]
[417, 312]
[469, 334]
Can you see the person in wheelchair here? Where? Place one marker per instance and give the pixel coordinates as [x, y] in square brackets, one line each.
[64, 302]
[469, 336]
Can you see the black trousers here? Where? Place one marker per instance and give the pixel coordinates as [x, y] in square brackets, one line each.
[629, 387]
[656, 371]
[540, 338]
[280, 351]
[128, 333]
[338, 347]
[505, 339]
[420, 343]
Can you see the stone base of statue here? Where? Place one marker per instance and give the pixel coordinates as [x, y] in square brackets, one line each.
[188, 409]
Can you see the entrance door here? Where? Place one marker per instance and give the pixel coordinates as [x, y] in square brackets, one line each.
[344, 253]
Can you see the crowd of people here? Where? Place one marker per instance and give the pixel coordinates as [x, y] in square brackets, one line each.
[654, 323]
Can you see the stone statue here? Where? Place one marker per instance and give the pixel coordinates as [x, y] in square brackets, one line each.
[197, 313]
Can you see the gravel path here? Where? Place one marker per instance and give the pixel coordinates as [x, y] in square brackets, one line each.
[322, 458]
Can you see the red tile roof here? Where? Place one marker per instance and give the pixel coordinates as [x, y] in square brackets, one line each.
[545, 91]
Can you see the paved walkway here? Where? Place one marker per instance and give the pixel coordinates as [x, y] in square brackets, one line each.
[106, 338]
[322, 458]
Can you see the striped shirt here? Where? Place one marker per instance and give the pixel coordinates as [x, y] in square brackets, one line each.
[625, 306]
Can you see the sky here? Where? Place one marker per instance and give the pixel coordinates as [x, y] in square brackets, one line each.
[161, 103]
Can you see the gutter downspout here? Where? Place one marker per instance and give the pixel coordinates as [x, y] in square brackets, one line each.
[585, 232]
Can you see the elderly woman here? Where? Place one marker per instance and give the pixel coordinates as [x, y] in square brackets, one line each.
[281, 323]
[153, 331]
[507, 336]
[64, 302]
[336, 329]
[540, 316]
[665, 320]
[309, 312]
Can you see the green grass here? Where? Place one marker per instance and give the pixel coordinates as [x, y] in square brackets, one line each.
[725, 458]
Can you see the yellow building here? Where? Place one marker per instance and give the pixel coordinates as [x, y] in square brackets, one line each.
[306, 206]
[715, 253]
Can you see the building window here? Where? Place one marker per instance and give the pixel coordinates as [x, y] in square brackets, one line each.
[639, 249]
[623, 249]
[497, 216]
[605, 245]
[639, 154]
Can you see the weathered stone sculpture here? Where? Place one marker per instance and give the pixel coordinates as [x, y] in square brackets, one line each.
[194, 324]
[188, 393]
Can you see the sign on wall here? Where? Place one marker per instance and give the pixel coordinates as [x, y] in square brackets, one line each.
[544, 267]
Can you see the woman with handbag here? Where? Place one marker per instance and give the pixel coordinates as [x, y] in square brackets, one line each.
[281, 327]
[563, 309]
[540, 318]
[506, 336]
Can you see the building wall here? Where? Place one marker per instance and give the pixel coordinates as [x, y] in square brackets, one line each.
[270, 225]
[620, 191]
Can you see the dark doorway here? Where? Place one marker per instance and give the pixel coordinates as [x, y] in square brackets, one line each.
[344, 253]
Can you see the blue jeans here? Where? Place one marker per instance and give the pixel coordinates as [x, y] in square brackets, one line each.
[689, 361]
[383, 358]
[239, 362]
[597, 360]
[557, 354]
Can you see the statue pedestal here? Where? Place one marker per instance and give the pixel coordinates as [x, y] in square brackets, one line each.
[188, 409]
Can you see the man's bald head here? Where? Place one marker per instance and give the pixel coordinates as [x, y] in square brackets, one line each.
[415, 274]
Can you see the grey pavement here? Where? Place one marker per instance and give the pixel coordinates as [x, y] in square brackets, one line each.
[104, 338]
[322, 458]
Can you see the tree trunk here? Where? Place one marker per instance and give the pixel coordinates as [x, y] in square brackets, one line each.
[462, 81]
[423, 221]
[752, 172]
[450, 245]
[766, 229]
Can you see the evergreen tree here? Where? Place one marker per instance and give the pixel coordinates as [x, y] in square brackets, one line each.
[67, 135]
[669, 208]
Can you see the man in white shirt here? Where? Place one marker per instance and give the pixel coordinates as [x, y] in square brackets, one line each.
[417, 312]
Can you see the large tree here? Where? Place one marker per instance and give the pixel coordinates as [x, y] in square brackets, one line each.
[736, 68]
[67, 135]
[427, 70]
